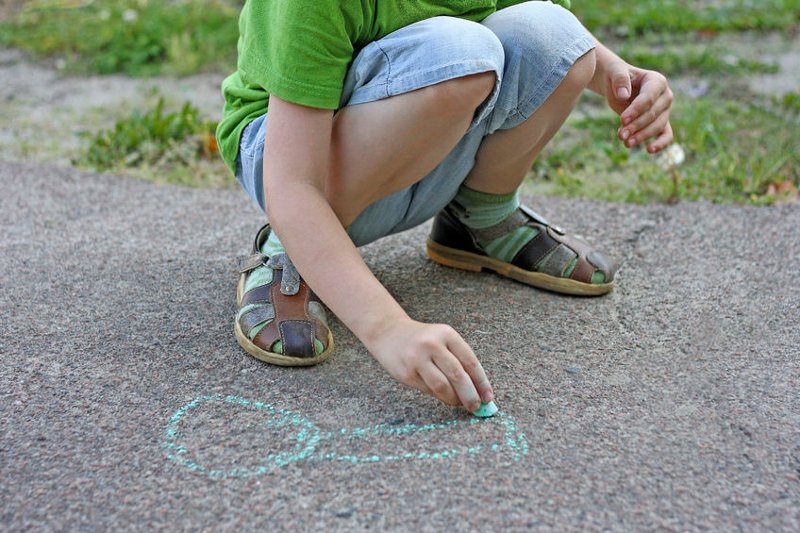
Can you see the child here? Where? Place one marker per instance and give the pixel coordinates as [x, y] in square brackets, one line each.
[384, 114]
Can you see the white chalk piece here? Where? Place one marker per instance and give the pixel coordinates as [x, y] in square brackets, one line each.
[486, 410]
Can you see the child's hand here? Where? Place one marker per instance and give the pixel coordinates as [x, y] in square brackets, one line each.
[434, 359]
[643, 100]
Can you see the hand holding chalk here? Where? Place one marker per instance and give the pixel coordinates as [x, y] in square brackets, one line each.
[434, 359]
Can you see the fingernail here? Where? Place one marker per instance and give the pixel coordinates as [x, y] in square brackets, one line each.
[487, 396]
[622, 93]
[625, 134]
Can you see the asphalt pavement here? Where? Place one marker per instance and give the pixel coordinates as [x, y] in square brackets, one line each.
[125, 402]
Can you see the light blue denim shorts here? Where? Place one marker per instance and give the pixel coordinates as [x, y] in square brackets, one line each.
[530, 47]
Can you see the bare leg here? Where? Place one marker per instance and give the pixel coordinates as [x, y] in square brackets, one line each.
[506, 156]
[381, 147]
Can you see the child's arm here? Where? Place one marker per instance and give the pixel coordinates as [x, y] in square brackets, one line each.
[430, 357]
[642, 98]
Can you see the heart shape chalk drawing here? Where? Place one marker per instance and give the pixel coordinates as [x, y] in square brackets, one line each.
[302, 440]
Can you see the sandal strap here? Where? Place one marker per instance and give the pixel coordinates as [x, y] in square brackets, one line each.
[246, 264]
[529, 257]
[583, 271]
[256, 258]
[520, 217]
[294, 326]
[255, 316]
[290, 281]
[515, 220]
[260, 294]
[557, 261]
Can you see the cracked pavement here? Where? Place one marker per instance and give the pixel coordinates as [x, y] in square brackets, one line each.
[670, 403]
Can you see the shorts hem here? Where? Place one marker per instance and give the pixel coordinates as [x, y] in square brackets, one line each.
[554, 78]
[430, 77]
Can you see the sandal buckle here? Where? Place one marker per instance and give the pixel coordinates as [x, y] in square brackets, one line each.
[290, 280]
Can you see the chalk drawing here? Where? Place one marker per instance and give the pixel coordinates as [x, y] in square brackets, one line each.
[310, 440]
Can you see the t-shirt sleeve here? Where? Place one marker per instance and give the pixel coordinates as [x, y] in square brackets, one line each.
[298, 50]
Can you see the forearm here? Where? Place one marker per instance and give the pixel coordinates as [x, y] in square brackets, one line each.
[329, 261]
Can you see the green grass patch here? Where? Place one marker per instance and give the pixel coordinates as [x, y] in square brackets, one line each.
[702, 60]
[137, 37]
[789, 102]
[735, 152]
[174, 146]
[627, 19]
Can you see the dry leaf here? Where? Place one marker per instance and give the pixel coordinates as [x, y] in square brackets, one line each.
[784, 192]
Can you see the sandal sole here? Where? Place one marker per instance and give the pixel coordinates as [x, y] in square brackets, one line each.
[454, 258]
[272, 357]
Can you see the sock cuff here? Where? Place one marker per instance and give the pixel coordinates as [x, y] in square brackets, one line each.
[272, 245]
[477, 197]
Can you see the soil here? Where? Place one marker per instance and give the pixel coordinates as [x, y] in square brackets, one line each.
[9, 8]
[48, 111]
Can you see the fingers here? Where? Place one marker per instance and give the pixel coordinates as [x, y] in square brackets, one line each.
[472, 366]
[633, 132]
[662, 141]
[458, 379]
[651, 130]
[437, 361]
[620, 81]
[652, 86]
[438, 385]
[647, 117]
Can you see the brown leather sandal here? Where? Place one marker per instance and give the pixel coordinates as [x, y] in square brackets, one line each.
[297, 324]
[552, 260]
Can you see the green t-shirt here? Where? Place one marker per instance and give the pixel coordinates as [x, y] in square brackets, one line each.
[300, 50]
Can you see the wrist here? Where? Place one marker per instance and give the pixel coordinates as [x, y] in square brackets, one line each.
[372, 331]
[606, 62]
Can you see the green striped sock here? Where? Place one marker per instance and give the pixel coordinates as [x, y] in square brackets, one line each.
[482, 209]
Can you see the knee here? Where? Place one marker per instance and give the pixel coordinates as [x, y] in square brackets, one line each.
[581, 73]
[469, 44]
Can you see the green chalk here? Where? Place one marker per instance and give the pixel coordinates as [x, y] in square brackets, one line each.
[486, 410]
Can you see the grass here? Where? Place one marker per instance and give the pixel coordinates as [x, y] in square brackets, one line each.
[676, 59]
[626, 19]
[148, 37]
[722, 127]
[174, 146]
[789, 102]
[136, 37]
[727, 159]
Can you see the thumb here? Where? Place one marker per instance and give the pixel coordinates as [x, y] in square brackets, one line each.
[620, 82]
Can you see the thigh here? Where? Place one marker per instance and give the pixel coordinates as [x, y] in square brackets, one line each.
[422, 54]
[416, 56]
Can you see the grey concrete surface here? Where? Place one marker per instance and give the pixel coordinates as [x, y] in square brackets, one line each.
[671, 403]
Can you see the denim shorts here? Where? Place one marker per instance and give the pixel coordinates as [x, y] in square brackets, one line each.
[530, 47]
